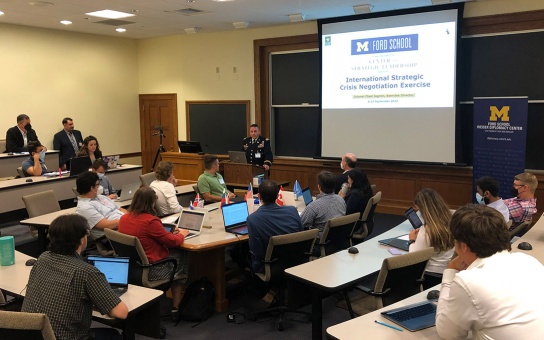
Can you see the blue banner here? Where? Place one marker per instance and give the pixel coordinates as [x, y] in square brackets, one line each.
[500, 136]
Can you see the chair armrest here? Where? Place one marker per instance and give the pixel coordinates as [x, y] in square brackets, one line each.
[372, 292]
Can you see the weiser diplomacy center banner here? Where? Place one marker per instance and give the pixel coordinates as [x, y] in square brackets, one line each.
[500, 136]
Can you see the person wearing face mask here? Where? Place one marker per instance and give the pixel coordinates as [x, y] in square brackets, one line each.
[487, 192]
[17, 137]
[105, 188]
[348, 162]
[100, 211]
[35, 164]
[522, 205]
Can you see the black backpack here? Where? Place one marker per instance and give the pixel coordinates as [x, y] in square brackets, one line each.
[198, 301]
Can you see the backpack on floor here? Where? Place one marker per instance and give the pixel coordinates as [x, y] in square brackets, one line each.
[198, 301]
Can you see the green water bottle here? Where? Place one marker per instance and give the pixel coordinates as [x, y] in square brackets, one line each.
[7, 251]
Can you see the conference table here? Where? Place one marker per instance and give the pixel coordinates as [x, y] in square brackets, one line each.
[341, 270]
[207, 250]
[364, 325]
[11, 191]
[143, 303]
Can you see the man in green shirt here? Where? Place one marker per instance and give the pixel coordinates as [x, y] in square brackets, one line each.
[211, 184]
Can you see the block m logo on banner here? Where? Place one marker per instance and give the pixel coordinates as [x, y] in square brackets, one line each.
[502, 114]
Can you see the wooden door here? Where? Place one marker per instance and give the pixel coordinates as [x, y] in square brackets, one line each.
[157, 110]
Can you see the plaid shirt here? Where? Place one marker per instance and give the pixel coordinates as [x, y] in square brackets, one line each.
[65, 288]
[520, 210]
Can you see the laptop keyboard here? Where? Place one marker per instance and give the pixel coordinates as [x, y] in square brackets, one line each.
[414, 312]
[119, 291]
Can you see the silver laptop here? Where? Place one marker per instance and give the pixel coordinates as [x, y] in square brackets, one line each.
[237, 157]
[413, 317]
[190, 220]
[128, 191]
[111, 161]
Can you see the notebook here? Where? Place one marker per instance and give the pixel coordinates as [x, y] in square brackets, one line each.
[412, 217]
[111, 161]
[190, 220]
[237, 157]
[413, 317]
[396, 242]
[79, 165]
[115, 269]
[307, 196]
[128, 191]
[234, 217]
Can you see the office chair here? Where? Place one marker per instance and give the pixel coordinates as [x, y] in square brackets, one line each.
[365, 225]
[25, 326]
[74, 190]
[146, 179]
[399, 278]
[195, 188]
[284, 251]
[40, 203]
[336, 235]
[20, 172]
[520, 230]
[130, 246]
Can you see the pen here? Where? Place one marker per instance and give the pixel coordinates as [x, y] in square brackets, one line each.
[388, 325]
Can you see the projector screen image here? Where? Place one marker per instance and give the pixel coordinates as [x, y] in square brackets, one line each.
[388, 86]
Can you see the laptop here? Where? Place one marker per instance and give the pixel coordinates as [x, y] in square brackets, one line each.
[412, 217]
[413, 317]
[396, 242]
[111, 161]
[189, 146]
[307, 196]
[115, 269]
[79, 165]
[237, 157]
[234, 217]
[128, 191]
[190, 220]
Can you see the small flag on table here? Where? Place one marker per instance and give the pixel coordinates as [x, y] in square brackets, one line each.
[279, 200]
[297, 190]
[224, 198]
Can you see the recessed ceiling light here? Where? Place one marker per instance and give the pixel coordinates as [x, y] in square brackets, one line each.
[121, 30]
[1, 13]
[109, 14]
[66, 22]
[191, 1]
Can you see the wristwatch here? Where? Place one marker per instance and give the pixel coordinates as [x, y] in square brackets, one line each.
[411, 241]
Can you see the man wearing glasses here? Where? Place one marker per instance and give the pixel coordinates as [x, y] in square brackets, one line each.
[100, 211]
[522, 205]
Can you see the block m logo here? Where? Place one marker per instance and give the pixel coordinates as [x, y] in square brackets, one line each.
[502, 114]
[362, 47]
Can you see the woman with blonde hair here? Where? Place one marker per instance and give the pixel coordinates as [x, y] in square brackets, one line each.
[434, 232]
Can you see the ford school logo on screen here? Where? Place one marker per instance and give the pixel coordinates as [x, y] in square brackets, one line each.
[399, 43]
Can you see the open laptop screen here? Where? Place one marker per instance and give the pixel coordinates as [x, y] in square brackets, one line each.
[235, 213]
[191, 220]
[307, 196]
[114, 268]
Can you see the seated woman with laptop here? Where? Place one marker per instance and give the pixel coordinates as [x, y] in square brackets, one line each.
[433, 233]
[142, 222]
[164, 186]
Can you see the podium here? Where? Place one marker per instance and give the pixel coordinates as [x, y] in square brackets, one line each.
[240, 173]
[187, 166]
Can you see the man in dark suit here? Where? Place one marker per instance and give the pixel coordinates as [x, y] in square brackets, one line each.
[257, 148]
[18, 136]
[349, 161]
[67, 141]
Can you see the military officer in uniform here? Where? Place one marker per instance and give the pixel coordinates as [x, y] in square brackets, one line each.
[257, 148]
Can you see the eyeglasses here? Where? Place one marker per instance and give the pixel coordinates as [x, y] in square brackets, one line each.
[518, 185]
[97, 184]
